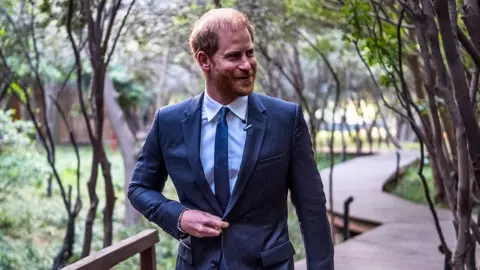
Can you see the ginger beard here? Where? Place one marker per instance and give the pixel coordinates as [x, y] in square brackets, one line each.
[235, 85]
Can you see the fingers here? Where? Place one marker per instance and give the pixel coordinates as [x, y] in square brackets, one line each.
[215, 221]
[202, 224]
[205, 231]
[211, 216]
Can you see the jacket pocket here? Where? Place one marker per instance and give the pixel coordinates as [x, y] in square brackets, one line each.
[268, 159]
[185, 252]
[277, 254]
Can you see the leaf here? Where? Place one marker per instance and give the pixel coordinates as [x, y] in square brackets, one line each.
[45, 7]
[384, 80]
[15, 88]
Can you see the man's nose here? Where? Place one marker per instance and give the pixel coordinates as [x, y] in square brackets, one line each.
[246, 64]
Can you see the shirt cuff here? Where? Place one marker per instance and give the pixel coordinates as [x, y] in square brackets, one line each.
[183, 234]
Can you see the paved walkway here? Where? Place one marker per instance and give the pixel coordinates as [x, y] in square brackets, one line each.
[406, 238]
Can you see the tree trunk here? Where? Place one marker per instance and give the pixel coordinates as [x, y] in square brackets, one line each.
[66, 252]
[471, 19]
[92, 184]
[460, 85]
[370, 130]
[343, 125]
[463, 203]
[438, 191]
[414, 65]
[163, 78]
[443, 164]
[436, 152]
[109, 198]
[132, 118]
[358, 139]
[127, 143]
[400, 127]
[448, 126]
[51, 121]
[470, 259]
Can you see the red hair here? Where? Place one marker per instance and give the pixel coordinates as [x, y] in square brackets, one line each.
[204, 37]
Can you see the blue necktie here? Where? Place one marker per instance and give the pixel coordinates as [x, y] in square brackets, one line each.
[221, 178]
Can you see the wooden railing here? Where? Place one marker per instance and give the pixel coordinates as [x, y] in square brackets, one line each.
[143, 243]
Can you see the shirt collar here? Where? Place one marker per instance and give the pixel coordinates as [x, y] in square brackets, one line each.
[212, 107]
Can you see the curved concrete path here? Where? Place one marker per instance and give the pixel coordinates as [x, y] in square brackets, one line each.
[406, 237]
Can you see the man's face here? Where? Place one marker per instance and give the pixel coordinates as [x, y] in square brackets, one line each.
[234, 64]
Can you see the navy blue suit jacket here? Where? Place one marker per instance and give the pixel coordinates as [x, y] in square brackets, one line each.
[278, 157]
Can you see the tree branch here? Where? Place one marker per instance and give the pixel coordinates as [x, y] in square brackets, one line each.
[115, 9]
[119, 32]
[474, 87]
[469, 47]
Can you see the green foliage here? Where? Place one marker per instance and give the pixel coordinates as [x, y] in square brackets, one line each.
[26, 226]
[20, 162]
[410, 186]
[56, 12]
[377, 39]
[311, 14]
[21, 167]
[15, 88]
[132, 93]
[3, 32]
[385, 80]
[20, 256]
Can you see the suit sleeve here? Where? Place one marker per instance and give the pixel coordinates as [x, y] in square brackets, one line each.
[308, 197]
[148, 182]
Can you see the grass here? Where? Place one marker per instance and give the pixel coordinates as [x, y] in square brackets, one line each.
[32, 225]
[410, 186]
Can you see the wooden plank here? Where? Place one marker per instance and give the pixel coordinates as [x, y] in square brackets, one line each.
[148, 260]
[113, 255]
[405, 237]
[363, 178]
[394, 247]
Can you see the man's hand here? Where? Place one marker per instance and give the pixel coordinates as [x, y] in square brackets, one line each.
[201, 224]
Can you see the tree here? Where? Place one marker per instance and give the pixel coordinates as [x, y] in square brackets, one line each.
[381, 41]
[21, 68]
[100, 49]
[96, 24]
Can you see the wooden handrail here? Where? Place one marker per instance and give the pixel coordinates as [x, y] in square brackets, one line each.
[143, 243]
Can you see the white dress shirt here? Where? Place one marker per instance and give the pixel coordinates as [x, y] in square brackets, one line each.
[236, 120]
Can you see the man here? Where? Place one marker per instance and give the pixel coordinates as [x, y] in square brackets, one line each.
[232, 155]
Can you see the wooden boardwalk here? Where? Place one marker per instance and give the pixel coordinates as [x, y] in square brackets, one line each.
[405, 238]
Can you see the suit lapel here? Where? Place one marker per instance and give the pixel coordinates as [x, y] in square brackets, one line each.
[253, 145]
[191, 131]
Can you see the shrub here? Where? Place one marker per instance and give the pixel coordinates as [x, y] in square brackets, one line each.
[20, 161]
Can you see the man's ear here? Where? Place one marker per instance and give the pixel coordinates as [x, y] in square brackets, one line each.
[204, 61]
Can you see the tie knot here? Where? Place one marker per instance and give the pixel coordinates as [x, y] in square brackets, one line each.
[224, 111]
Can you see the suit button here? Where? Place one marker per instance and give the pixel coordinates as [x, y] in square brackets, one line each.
[214, 263]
